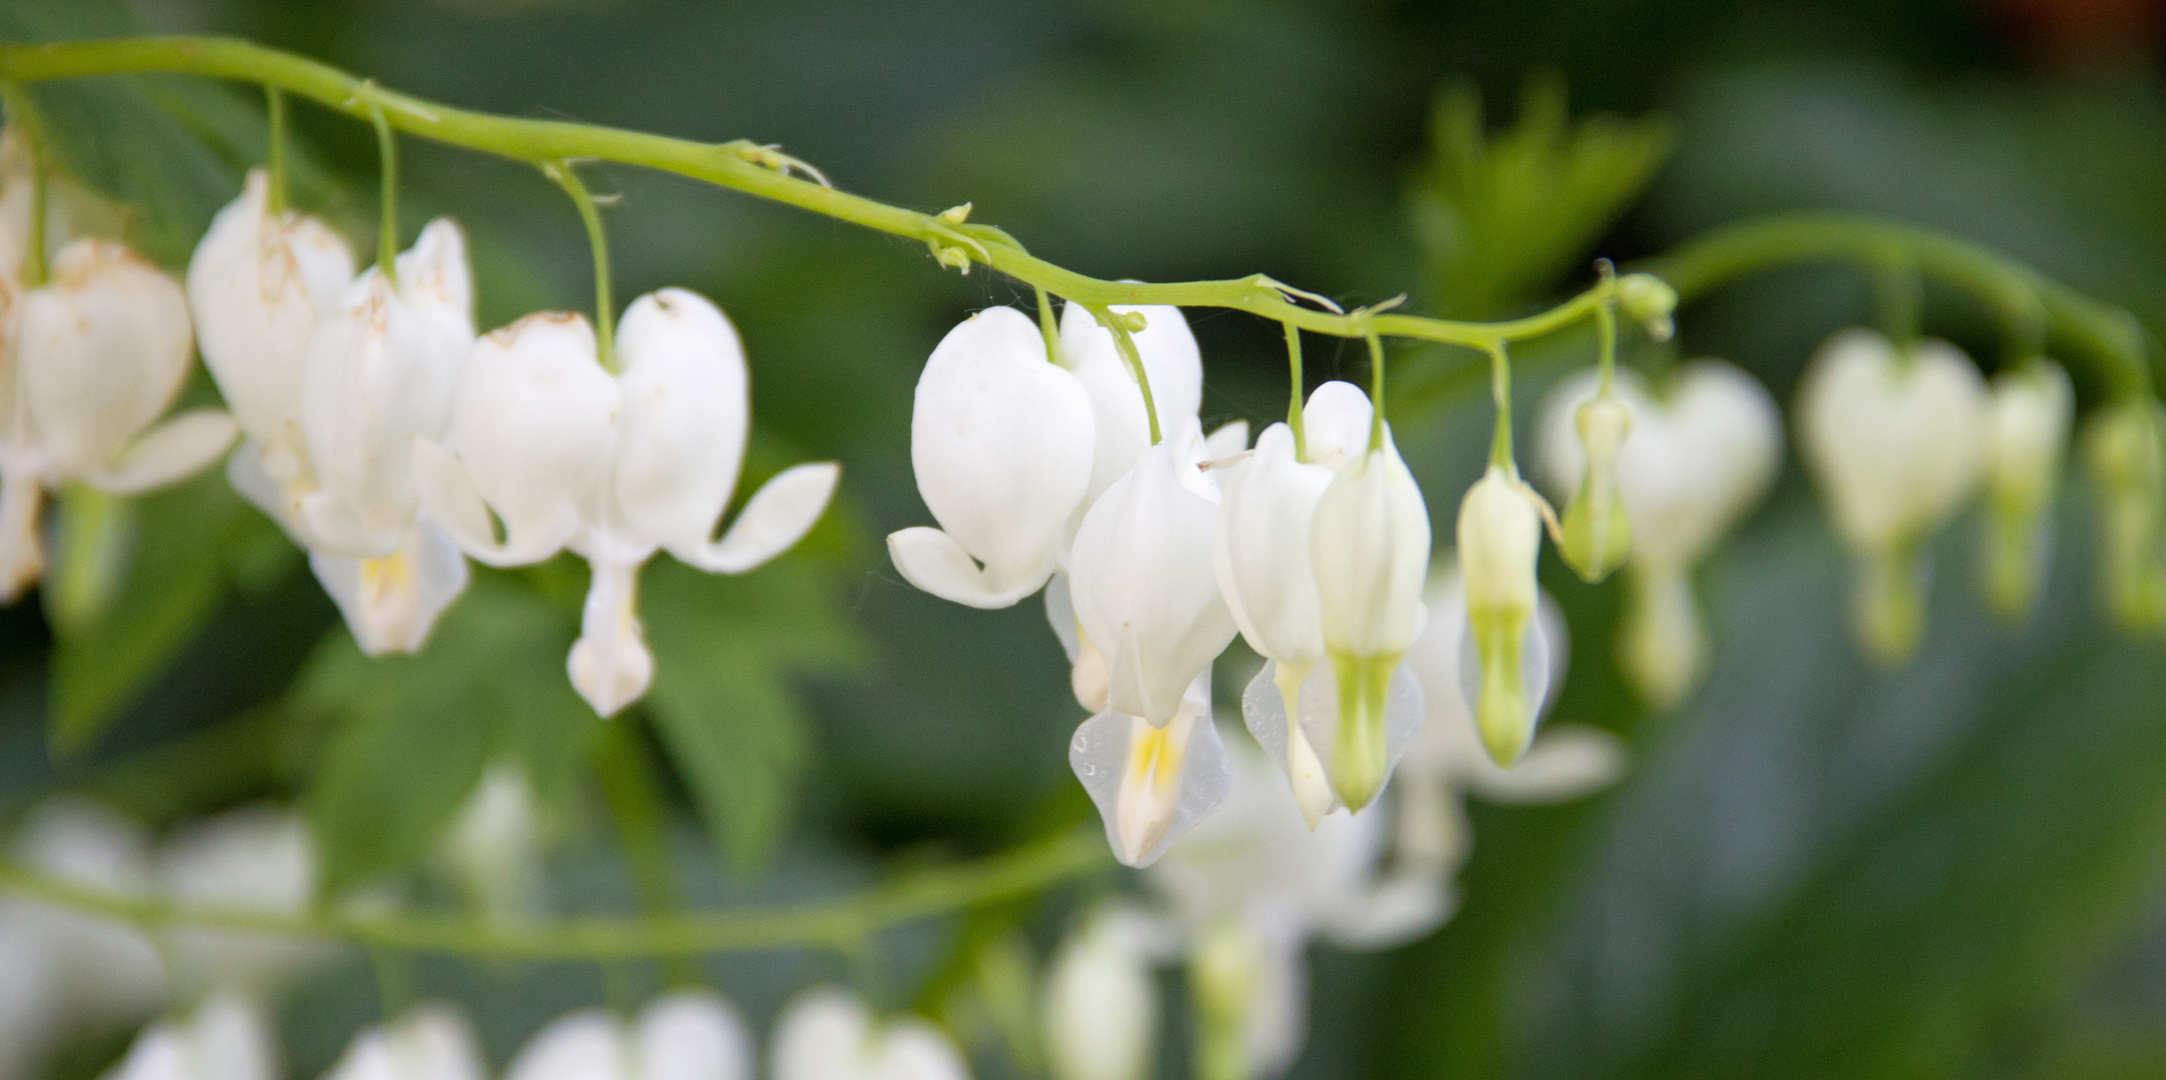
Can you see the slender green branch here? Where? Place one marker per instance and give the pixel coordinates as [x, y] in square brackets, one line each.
[2034, 312]
[274, 102]
[1376, 392]
[835, 924]
[1116, 323]
[605, 307]
[1500, 391]
[740, 165]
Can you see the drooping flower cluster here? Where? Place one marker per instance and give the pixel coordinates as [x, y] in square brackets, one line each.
[1042, 472]
[381, 435]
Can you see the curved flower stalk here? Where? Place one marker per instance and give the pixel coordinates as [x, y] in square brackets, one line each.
[227, 1038]
[1171, 362]
[2027, 426]
[683, 1035]
[88, 363]
[1249, 888]
[1700, 455]
[1001, 443]
[613, 467]
[826, 1033]
[1265, 556]
[1896, 438]
[1101, 1009]
[431, 1042]
[1448, 762]
[2122, 449]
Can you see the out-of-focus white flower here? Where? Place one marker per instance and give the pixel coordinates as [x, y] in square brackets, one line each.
[95, 357]
[1500, 534]
[2026, 438]
[90, 973]
[826, 1033]
[1101, 1003]
[1698, 458]
[683, 1035]
[1000, 442]
[432, 1042]
[227, 1038]
[253, 858]
[1448, 760]
[2123, 449]
[1896, 438]
[612, 467]
[493, 847]
[1170, 360]
[1256, 880]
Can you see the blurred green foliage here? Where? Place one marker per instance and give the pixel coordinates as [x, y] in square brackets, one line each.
[1954, 871]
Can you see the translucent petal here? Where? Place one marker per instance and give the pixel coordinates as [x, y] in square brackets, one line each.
[1152, 784]
[391, 604]
[1265, 713]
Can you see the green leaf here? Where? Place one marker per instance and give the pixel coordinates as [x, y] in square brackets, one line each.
[727, 653]
[411, 734]
[1501, 217]
[138, 579]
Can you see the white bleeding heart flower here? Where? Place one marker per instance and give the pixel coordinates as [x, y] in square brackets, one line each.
[1171, 362]
[1500, 534]
[1698, 458]
[1896, 439]
[431, 1042]
[258, 284]
[379, 374]
[96, 974]
[1000, 442]
[611, 466]
[1262, 555]
[1370, 544]
[1141, 579]
[99, 354]
[1152, 782]
[826, 1033]
[493, 847]
[2027, 426]
[1101, 1008]
[683, 1035]
[1448, 761]
[1253, 885]
[227, 1038]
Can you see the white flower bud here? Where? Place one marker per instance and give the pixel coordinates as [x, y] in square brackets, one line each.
[257, 287]
[1597, 529]
[1370, 541]
[1000, 442]
[432, 1042]
[1170, 360]
[1141, 579]
[1897, 443]
[1500, 534]
[826, 1033]
[683, 1035]
[2026, 437]
[379, 374]
[1101, 1003]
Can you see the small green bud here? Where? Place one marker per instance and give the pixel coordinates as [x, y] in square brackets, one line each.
[954, 258]
[1649, 301]
[1597, 532]
[956, 215]
[1132, 321]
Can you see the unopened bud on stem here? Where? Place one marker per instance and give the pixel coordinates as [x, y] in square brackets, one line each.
[2122, 449]
[1500, 533]
[2026, 433]
[1650, 301]
[1597, 532]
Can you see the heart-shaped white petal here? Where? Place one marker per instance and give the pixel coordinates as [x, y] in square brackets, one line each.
[826, 1034]
[1897, 443]
[684, 1035]
[103, 350]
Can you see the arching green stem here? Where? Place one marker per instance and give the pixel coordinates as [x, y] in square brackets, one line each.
[605, 309]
